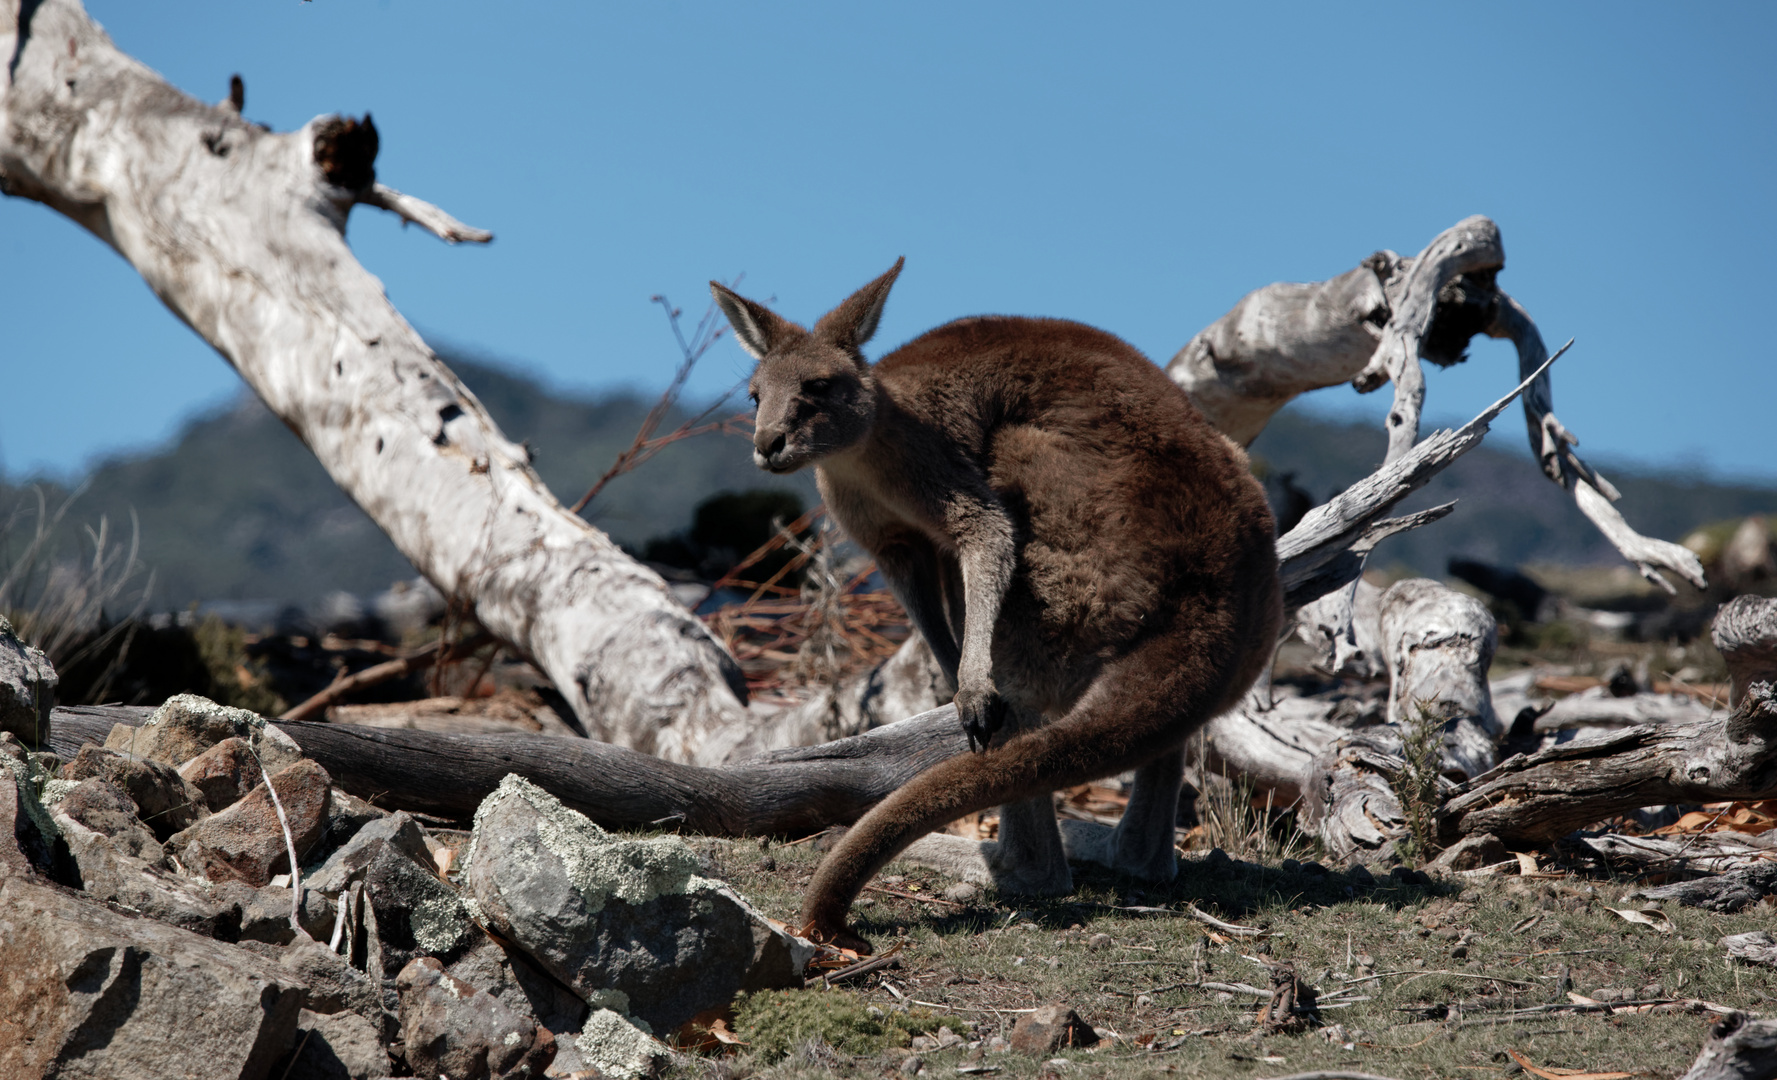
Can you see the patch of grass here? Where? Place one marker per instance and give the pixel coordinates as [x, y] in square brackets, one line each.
[775, 1022]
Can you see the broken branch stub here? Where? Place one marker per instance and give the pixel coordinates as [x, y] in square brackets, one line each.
[240, 231]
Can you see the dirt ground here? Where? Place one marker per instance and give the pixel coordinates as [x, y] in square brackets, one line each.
[1424, 978]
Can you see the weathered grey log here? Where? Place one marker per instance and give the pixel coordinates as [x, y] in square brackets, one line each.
[1745, 633]
[1373, 324]
[1597, 709]
[787, 792]
[1541, 797]
[1739, 1048]
[241, 232]
[1732, 891]
[1437, 645]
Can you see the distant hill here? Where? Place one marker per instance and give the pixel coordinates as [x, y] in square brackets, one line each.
[235, 508]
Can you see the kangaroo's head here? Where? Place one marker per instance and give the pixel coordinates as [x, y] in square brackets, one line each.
[812, 388]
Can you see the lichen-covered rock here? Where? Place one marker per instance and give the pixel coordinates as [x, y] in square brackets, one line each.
[102, 807]
[452, 1029]
[30, 843]
[627, 924]
[164, 801]
[246, 841]
[187, 725]
[224, 773]
[336, 1046]
[416, 913]
[27, 688]
[618, 1049]
[92, 993]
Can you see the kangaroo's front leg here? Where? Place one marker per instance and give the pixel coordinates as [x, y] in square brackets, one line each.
[987, 553]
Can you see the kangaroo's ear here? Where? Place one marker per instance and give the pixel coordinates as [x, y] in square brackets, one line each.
[852, 323]
[756, 327]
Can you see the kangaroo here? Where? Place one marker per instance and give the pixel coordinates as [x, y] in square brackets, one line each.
[1092, 564]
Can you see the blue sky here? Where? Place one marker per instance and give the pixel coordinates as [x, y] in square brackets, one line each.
[1138, 167]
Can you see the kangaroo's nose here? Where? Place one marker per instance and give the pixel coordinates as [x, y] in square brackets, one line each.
[774, 449]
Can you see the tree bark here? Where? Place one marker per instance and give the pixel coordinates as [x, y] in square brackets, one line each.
[1738, 1048]
[241, 232]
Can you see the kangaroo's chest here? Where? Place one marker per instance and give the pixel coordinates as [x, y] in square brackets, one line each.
[880, 502]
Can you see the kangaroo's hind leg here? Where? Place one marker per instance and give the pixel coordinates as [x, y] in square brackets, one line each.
[1142, 844]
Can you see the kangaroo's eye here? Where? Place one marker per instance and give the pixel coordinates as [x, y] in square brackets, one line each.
[817, 386]
[753, 396]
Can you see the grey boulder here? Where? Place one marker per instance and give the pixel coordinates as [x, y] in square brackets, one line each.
[416, 913]
[336, 1046]
[27, 688]
[452, 1029]
[90, 992]
[627, 924]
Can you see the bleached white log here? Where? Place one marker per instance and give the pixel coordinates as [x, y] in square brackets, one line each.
[1367, 326]
[1439, 644]
[1596, 708]
[1745, 633]
[1553, 445]
[240, 231]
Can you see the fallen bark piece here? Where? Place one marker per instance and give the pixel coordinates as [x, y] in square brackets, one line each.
[1729, 892]
[111, 872]
[615, 1047]
[627, 924]
[164, 801]
[336, 1046]
[224, 773]
[89, 992]
[1757, 947]
[27, 688]
[452, 1029]
[1469, 853]
[102, 807]
[1738, 1048]
[187, 725]
[1049, 1029]
[246, 841]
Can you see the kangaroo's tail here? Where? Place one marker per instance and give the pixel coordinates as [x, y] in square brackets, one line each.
[1145, 702]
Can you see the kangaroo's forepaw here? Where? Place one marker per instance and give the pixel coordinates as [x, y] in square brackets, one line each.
[982, 712]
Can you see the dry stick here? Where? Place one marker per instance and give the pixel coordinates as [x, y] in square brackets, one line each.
[381, 673]
[1331, 1074]
[645, 446]
[289, 846]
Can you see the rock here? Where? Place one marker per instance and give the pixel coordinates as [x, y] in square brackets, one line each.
[112, 872]
[1051, 1028]
[1098, 942]
[336, 1046]
[224, 773]
[963, 892]
[102, 807]
[627, 924]
[246, 842]
[30, 843]
[11, 747]
[89, 992]
[187, 725]
[515, 979]
[334, 985]
[416, 913]
[346, 814]
[264, 913]
[27, 688]
[618, 1049]
[452, 1029]
[164, 801]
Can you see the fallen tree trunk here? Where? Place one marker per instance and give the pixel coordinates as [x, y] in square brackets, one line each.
[241, 232]
[789, 792]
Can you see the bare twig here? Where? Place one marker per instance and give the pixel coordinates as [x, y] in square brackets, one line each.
[709, 329]
[381, 673]
[289, 846]
[424, 214]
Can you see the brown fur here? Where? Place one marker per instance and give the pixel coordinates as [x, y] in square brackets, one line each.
[1074, 540]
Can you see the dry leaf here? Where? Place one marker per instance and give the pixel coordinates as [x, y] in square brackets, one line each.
[1564, 1074]
[1650, 917]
